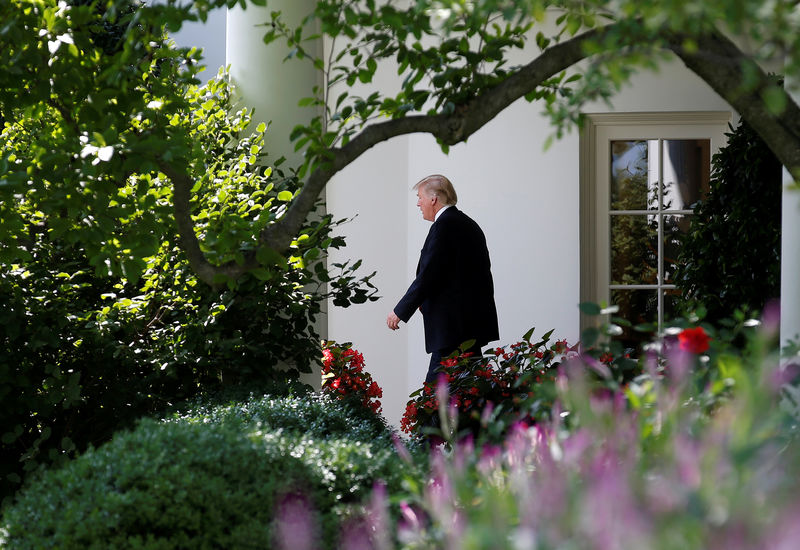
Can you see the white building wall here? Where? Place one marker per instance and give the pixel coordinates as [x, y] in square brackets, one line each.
[525, 199]
[208, 36]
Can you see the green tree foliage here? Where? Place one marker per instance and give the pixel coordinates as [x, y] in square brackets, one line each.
[453, 60]
[113, 108]
[109, 160]
[86, 351]
[741, 213]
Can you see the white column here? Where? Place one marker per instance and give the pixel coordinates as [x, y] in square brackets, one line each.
[208, 36]
[790, 248]
[790, 261]
[265, 82]
[272, 87]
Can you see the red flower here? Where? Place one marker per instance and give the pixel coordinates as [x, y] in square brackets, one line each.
[374, 390]
[450, 362]
[606, 358]
[694, 340]
[344, 376]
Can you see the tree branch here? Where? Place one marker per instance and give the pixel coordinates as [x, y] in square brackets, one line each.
[716, 60]
[181, 199]
[721, 64]
[448, 129]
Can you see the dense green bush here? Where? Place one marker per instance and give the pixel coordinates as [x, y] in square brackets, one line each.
[83, 355]
[316, 416]
[85, 350]
[210, 477]
[159, 486]
[741, 213]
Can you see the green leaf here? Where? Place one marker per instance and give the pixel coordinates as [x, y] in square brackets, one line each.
[775, 100]
[589, 308]
[306, 101]
[527, 336]
[262, 274]
[285, 196]
[590, 336]
[268, 257]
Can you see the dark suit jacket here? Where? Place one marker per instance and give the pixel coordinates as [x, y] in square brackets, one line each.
[453, 286]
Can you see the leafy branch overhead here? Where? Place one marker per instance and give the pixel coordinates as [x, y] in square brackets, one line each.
[108, 136]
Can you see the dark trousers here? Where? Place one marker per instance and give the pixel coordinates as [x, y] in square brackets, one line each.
[439, 355]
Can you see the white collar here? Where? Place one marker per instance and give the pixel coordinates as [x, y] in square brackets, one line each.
[439, 213]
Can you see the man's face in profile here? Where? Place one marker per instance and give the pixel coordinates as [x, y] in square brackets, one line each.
[427, 204]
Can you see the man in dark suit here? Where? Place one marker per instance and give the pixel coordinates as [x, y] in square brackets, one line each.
[453, 288]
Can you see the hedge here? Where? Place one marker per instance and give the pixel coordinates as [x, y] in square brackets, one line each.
[210, 477]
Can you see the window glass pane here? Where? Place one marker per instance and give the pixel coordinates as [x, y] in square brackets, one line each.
[634, 175]
[687, 170]
[634, 249]
[675, 227]
[672, 303]
[639, 307]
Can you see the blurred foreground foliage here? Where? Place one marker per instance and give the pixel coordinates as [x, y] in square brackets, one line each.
[697, 450]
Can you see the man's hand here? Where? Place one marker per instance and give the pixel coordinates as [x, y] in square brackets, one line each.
[393, 321]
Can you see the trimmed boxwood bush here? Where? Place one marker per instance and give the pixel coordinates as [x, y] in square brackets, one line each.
[209, 478]
[312, 415]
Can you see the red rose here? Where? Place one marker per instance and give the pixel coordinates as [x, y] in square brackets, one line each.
[694, 340]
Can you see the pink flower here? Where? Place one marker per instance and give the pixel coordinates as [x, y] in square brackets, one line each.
[694, 340]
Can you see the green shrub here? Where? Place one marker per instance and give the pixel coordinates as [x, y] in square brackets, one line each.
[81, 357]
[317, 416]
[742, 212]
[86, 350]
[210, 478]
[158, 486]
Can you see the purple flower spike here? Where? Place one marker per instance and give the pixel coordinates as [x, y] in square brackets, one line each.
[355, 536]
[295, 526]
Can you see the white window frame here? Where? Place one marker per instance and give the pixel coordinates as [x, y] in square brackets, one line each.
[597, 132]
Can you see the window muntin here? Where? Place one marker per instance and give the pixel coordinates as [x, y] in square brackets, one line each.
[641, 173]
[653, 185]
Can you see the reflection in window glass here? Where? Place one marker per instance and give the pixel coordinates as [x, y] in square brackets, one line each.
[686, 173]
[654, 185]
[640, 307]
[671, 303]
[675, 227]
[634, 182]
[634, 250]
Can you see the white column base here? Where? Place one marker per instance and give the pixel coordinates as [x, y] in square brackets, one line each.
[790, 261]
